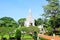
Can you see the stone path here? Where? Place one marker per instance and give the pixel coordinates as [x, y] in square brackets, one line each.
[49, 37]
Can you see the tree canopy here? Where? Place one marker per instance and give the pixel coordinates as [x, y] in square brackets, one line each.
[8, 22]
[21, 21]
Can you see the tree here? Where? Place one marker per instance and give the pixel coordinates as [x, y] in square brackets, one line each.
[38, 22]
[8, 22]
[50, 30]
[2, 23]
[33, 28]
[52, 10]
[29, 30]
[21, 21]
[24, 30]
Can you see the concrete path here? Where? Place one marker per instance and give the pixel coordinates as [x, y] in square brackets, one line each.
[49, 37]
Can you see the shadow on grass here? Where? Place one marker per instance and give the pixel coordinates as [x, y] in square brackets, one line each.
[43, 38]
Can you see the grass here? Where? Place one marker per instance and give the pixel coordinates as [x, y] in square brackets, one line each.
[26, 36]
[43, 38]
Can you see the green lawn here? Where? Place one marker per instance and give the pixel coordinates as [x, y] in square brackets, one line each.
[43, 38]
[26, 36]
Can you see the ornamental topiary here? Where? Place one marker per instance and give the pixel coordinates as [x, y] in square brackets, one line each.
[35, 36]
[18, 34]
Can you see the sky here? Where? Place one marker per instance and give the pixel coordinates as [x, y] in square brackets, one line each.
[19, 8]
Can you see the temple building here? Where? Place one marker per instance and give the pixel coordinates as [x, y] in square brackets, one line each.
[29, 20]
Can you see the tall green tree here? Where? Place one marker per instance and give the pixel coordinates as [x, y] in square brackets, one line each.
[52, 11]
[21, 21]
[38, 22]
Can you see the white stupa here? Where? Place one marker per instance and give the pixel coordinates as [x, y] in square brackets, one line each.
[29, 20]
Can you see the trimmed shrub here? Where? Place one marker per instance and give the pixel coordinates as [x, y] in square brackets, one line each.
[35, 36]
[18, 34]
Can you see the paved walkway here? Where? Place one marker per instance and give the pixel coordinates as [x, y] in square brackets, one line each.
[49, 37]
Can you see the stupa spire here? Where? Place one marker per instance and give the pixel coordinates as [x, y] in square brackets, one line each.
[29, 20]
[30, 10]
[30, 13]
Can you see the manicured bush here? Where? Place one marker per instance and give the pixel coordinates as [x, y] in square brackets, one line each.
[35, 36]
[18, 34]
